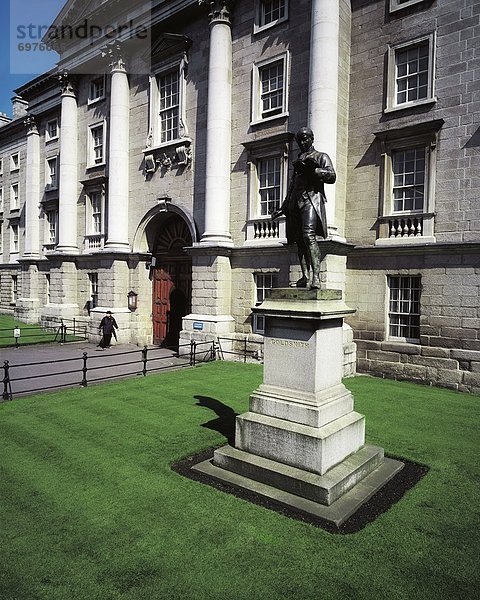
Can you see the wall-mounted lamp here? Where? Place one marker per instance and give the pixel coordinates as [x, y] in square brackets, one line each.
[132, 300]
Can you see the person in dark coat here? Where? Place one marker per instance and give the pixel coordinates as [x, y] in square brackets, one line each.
[107, 327]
[304, 206]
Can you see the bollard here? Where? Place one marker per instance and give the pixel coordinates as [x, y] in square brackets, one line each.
[84, 370]
[7, 386]
[144, 358]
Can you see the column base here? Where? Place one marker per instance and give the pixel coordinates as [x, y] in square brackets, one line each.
[334, 496]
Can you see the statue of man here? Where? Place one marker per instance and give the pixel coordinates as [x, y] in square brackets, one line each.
[304, 206]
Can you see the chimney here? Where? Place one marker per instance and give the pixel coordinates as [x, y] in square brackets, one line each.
[19, 107]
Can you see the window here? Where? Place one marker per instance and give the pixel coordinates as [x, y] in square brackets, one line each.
[401, 4]
[410, 73]
[263, 282]
[15, 162]
[269, 89]
[13, 238]
[51, 232]
[51, 130]
[52, 175]
[404, 308]
[1, 199]
[93, 279]
[1, 238]
[269, 13]
[14, 196]
[408, 183]
[169, 106]
[14, 289]
[269, 184]
[95, 219]
[96, 90]
[1, 166]
[96, 146]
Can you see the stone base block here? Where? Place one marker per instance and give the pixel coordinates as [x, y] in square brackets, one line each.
[324, 489]
[338, 511]
[315, 449]
[314, 411]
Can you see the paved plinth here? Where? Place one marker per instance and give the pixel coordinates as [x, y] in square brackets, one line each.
[301, 443]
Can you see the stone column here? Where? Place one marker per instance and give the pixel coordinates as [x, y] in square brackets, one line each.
[323, 87]
[219, 126]
[32, 190]
[68, 177]
[118, 181]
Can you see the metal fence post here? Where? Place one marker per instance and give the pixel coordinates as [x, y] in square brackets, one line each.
[7, 386]
[84, 370]
[73, 325]
[245, 350]
[144, 358]
[193, 345]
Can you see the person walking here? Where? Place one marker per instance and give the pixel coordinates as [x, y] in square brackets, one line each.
[107, 327]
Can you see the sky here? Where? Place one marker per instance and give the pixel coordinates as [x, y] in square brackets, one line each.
[23, 22]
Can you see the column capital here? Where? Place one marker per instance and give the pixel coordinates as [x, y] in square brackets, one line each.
[115, 55]
[31, 124]
[220, 10]
[67, 84]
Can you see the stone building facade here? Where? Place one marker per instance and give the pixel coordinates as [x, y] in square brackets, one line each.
[150, 159]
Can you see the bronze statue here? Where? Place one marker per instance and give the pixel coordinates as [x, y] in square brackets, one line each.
[304, 206]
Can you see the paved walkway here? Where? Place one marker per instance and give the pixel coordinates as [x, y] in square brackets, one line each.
[51, 366]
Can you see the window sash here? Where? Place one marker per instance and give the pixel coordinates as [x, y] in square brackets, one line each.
[412, 66]
[97, 144]
[263, 282]
[52, 129]
[97, 89]
[14, 195]
[96, 204]
[269, 184]
[409, 171]
[52, 173]
[14, 162]
[52, 220]
[14, 238]
[404, 307]
[169, 105]
[272, 11]
[272, 89]
[93, 278]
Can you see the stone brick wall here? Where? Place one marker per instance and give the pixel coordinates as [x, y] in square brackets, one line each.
[448, 351]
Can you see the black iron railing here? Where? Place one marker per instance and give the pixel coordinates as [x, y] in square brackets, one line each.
[54, 330]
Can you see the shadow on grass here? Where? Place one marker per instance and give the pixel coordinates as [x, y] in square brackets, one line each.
[225, 421]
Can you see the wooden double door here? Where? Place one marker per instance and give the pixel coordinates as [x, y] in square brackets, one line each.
[172, 293]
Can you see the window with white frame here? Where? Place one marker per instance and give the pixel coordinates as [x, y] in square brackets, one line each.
[96, 145]
[1, 199]
[52, 173]
[269, 173]
[51, 232]
[270, 89]
[404, 307]
[1, 166]
[14, 196]
[169, 106]
[411, 73]
[263, 282]
[14, 289]
[14, 162]
[409, 184]
[96, 90]
[269, 13]
[95, 219]
[396, 5]
[93, 280]
[51, 130]
[409, 179]
[13, 238]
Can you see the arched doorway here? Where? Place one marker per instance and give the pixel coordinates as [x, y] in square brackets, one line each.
[171, 280]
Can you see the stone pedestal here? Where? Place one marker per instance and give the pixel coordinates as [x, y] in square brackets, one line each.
[301, 442]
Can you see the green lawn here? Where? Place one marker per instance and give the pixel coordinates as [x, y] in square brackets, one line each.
[29, 334]
[91, 510]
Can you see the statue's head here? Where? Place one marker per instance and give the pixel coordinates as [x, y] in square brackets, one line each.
[304, 138]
